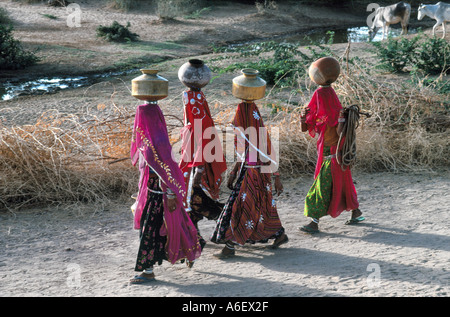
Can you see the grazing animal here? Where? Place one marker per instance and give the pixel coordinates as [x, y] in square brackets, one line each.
[439, 11]
[393, 14]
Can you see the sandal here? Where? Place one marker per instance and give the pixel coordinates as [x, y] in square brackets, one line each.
[140, 279]
[225, 253]
[279, 241]
[309, 230]
[355, 220]
[223, 256]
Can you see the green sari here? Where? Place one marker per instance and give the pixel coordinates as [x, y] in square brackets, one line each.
[319, 195]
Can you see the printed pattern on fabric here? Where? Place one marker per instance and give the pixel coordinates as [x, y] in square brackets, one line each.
[163, 165]
[203, 206]
[152, 244]
[249, 216]
[196, 144]
[152, 149]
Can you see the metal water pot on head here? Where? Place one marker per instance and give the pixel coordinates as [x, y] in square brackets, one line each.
[149, 86]
[195, 74]
[249, 86]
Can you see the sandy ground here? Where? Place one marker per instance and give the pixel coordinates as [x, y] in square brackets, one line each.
[402, 249]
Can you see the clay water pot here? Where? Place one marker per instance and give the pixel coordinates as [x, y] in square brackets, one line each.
[194, 74]
[149, 86]
[249, 86]
[324, 71]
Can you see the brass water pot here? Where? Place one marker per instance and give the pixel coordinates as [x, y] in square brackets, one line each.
[149, 86]
[249, 86]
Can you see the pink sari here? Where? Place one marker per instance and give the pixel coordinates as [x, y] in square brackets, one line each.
[324, 110]
[151, 142]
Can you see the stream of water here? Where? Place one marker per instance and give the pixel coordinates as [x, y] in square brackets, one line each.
[13, 89]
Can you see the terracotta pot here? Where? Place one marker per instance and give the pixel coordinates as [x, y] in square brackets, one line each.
[324, 71]
[149, 86]
[249, 86]
[195, 74]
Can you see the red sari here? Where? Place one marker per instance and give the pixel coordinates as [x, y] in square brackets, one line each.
[324, 110]
[250, 214]
[200, 143]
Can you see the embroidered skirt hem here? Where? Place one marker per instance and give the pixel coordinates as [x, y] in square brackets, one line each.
[250, 214]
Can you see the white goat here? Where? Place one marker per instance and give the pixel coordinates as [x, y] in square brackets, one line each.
[439, 11]
[393, 14]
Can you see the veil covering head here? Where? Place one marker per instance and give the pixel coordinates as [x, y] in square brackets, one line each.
[324, 109]
[150, 147]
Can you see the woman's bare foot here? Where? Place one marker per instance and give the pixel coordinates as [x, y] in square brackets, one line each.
[356, 213]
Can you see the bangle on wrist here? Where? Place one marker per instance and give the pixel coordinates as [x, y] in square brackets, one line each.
[200, 169]
[170, 194]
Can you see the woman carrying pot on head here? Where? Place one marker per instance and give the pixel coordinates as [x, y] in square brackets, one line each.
[250, 214]
[332, 191]
[166, 231]
[202, 160]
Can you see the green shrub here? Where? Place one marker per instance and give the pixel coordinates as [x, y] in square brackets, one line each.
[396, 54]
[439, 84]
[281, 72]
[430, 55]
[49, 16]
[277, 63]
[4, 17]
[12, 55]
[433, 56]
[117, 33]
[279, 66]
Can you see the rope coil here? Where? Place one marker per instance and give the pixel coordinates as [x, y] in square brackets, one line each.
[347, 154]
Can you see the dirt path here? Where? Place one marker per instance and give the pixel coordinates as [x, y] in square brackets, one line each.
[402, 249]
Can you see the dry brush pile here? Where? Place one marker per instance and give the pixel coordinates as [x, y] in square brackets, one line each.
[65, 158]
[72, 158]
[407, 130]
